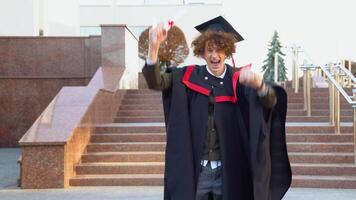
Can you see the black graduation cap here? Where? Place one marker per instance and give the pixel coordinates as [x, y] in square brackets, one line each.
[219, 24]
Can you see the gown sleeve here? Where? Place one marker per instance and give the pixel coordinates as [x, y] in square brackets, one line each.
[157, 80]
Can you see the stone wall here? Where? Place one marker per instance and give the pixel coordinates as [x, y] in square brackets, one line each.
[32, 72]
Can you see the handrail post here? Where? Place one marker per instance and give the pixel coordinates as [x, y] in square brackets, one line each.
[306, 89]
[331, 99]
[293, 70]
[323, 74]
[349, 68]
[296, 88]
[318, 71]
[354, 134]
[343, 80]
[308, 93]
[295, 74]
[354, 108]
[337, 104]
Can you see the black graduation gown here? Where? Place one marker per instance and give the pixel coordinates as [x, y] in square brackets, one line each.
[253, 151]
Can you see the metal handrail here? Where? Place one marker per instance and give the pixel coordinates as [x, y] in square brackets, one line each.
[337, 85]
[295, 75]
[334, 95]
[347, 72]
[332, 79]
[306, 87]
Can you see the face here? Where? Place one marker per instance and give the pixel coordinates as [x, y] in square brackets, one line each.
[215, 59]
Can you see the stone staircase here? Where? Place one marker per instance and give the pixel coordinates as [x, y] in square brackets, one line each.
[131, 150]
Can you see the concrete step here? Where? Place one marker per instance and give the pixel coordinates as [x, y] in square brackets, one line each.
[313, 94]
[157, 180]
[320, 147]
[141, 113]
[120, 168]
[318, 99]
[127, 129]
[158, 168]
[316, 129]
[322, 137]
[144, 156]
[344, 182]
[148, 98]
[127, 101]
[315, 112]
[118, 180]
[318, 169]
[317, 106]
[292, 106]
[160, 146]
[136, 119]
[161, 137]
[294, 157]
[130, 137]
[155, 107]
[143, 96]
[160, 118]
[291, 90]
[316, 119]
[313, 91]
[321, 158]
[142, 104]
[134, 105]
[292, 128]
[126, 147]
[143, 91]
[160, 129]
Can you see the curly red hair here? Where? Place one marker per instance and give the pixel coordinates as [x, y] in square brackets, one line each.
[222, 41]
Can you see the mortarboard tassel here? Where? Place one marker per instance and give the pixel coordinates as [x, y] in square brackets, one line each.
[233, 62]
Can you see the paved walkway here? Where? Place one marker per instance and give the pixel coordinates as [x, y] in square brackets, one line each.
[9, 172]
[9, 169]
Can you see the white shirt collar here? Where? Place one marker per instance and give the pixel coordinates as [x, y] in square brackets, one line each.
[221, 76]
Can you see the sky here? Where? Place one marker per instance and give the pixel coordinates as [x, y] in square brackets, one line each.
[324, 29]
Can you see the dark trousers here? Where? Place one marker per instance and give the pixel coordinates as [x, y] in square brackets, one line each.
[209, 184]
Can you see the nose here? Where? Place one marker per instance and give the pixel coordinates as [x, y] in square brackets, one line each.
[214, 54]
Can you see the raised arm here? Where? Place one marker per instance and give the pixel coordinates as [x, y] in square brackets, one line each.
[155, 79]
[151, 71]
[265, 92]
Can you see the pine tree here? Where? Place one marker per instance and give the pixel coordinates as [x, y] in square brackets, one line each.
[268, 67]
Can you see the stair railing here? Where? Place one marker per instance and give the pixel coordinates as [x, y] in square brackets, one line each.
[295, 73]
[348, 66]
[334, 74]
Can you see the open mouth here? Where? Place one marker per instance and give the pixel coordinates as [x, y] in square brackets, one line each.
[215, 62]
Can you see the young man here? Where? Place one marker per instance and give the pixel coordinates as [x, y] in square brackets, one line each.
[225, 126]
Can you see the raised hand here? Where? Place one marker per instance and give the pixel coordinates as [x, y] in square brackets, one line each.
[250, 78]
[157, 35]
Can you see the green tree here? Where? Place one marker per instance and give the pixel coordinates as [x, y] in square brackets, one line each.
[268, 67]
